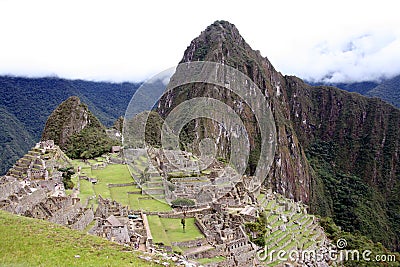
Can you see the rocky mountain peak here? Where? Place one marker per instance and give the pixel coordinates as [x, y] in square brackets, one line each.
[69, 118]
[76, 130]
[221, 42]
[335, 150]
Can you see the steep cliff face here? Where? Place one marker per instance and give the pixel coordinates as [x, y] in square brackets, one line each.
[76, 130]
[352, 143]
[336, 151]
[222, 43]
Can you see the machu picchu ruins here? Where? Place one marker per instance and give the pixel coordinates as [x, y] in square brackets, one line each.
[219, 212]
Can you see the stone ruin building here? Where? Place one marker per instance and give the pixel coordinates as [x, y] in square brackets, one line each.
[185, 176]
[33, 187]
[119, 224]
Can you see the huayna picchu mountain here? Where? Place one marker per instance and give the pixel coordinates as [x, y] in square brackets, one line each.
[336, 151]
[76, 130]
[26, 103]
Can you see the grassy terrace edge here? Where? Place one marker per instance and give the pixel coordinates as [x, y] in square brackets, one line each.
[32, 242]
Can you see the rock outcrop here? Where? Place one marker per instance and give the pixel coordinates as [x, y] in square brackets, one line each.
[337, 151]
[222, 43]
[76, 130]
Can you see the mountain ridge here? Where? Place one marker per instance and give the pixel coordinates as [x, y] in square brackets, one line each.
[31, 100]
[77, 131]
[312, 125]
[386, 89]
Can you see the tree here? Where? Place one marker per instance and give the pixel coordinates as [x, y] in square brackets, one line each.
[182, 202]
[183, 222]
[66, 174]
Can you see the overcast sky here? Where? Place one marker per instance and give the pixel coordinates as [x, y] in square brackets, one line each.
[131, 40]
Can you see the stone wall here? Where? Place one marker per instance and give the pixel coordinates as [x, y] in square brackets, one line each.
[149, 240]
[9, 188]
[84, 220]
[63, 215]
[29, 201]
[201, 227]
[191, 243]
[116, 160]
[121, 185]
[119, 234]
[210, 253]
[189, 214]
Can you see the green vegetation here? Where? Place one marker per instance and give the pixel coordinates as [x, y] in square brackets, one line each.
[299, 232]
[166, 230]
[148, 203]
[86, 190]
[388, 91]
[15, 140]
[358, 242]
[351, 143]
[26, 103]
[32, 242]
[259, 227]
[120, 194]
[77, 131]
[352, 203]
[113, 174]
[148, 120]
[66, 174]
[183, 202]
[126, 195]
[89, 143]
[216, 259]
[119, 124]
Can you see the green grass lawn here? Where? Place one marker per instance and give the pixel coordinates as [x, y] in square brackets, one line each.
[139, 201]
[31, 242]
[133, 171]
[86, 190]
[173, 228]
[117, 174]
[113, 174]
[93, 161]
[87, 171]
[157, 230]
[211, 260]
[78, 162]
[166, 230]
[101, 188]
[120, 194]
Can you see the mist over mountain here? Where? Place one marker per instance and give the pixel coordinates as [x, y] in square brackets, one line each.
[336, 151]
[26, 103]
[355, 87]
[387, 89]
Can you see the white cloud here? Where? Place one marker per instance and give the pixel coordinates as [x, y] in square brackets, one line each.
[125, 40]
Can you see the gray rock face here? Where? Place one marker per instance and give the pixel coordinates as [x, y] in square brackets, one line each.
[222, 43]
